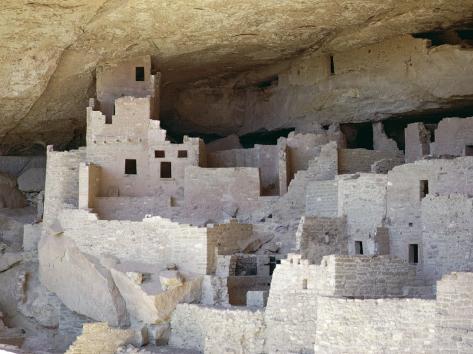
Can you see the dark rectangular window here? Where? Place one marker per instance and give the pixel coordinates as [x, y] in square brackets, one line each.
[140, 73]
[130, 166]
[332, 65]
[424, 188]
[166, 170]
[182, 153]
[159, 153]
[358, 247]
[469, 150]
[414, 253]
[304, 284]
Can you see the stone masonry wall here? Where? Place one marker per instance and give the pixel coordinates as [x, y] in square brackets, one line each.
[291, 312]
[217, 330]
[154, 240]
[360, 160]
[362, 276]
[444, 176]
[209, 190]
[447, 236]
[417, 142]
[375, 326]
[454, 322]
[322, 198]
[362, 199]
[452, 136]
[264, 157]
[130, 208]
[62, 182]
[319, 236]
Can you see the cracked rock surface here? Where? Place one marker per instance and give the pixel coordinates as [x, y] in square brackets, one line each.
[50, 48]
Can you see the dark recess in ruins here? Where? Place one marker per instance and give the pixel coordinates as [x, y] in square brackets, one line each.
[394, 126]
[358, 135]
[461, 36]
[272, 81]
[264, 137]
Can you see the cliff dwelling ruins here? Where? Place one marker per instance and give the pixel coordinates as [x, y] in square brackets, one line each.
[250, 177]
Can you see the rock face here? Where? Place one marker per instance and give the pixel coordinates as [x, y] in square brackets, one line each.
[396, 77]
[150, 302]
[81, 282]
[32, 180]
[50, 49]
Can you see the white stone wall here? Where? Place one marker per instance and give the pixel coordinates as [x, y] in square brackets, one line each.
[154, 240]
[264, 157]
[362, 199]
[454, 322]
[360, 160]
[404, 199]
[362, 276]
[375, 326]
[452, 135]
[447, 236]
[318, 236]
[217, 330]
[208, 190]
[322, 198]
[417, 142]
[291, 311]
[62, 182]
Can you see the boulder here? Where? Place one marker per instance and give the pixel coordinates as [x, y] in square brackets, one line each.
[100, 338]
[32, 180]
[170, 279]
[80, 281]
[148, 301]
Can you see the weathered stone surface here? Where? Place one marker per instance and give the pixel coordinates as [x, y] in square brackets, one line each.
[100, 338]
[80, 281]
[32, 180]
[50, 49]
[8, 260]
[150, 302]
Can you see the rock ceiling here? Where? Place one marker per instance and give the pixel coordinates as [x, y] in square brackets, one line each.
[49, 48]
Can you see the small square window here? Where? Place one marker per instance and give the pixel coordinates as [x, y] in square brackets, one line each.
[130, 167]
[358, 247]
[414, 253]
[159, 153]
[140, 73]
[182, 154]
